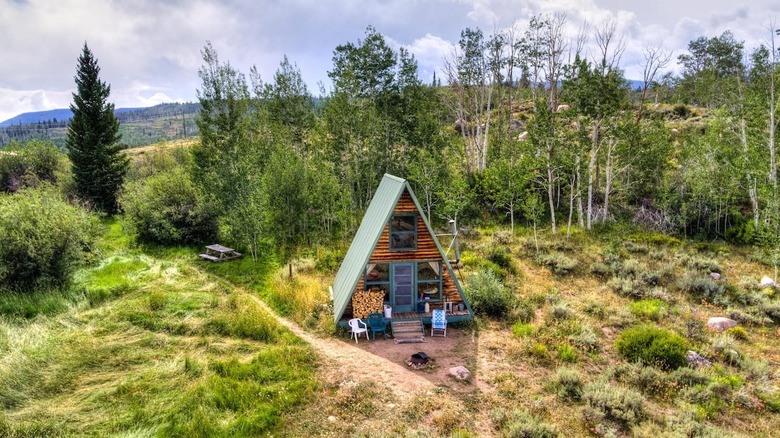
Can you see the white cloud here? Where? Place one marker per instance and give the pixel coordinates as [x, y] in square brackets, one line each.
[158, 43]
[15, 102]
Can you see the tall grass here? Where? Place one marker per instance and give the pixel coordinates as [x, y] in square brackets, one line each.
[147, 345]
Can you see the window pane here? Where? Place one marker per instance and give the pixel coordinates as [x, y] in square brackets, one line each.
[378, 272]
[402, 240]
[403, 223]
[428, 271]
[428, 290]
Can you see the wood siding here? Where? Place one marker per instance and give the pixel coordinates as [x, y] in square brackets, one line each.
[426, 250]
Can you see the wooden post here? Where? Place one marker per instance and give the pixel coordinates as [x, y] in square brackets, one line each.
[290, 266]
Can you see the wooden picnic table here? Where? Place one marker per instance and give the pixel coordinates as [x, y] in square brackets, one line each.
[219, 253]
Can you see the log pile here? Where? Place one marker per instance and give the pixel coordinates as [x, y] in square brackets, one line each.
[368, 301]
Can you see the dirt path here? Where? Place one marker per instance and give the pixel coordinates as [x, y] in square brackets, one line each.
[343, 360]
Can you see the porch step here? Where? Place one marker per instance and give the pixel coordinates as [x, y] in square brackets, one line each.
[408, 331]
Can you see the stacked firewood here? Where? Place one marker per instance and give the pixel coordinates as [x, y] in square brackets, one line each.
[368, 301]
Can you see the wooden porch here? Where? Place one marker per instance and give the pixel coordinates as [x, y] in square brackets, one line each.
[452, 317]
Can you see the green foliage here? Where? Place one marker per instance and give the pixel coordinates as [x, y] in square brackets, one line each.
[653, 346]
[559, 263]
[487, 295]
[616, 403]
[99, 167]
[568, 383]
[586, 339]
[29, 165]
[244, 399]
[652, 309]
[521, 424]
[738, 333]
[703, 288]
[43, 239]
[522, 330]
[566, 353]
[166, 208]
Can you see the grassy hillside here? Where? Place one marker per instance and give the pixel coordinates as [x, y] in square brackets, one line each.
[151, 341]
[147, 343]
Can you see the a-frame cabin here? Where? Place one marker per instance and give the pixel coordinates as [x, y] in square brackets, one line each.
[395, 260]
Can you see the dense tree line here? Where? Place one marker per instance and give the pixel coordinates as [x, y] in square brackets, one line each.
[530, 126]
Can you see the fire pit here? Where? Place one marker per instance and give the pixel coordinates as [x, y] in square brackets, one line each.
[418, 360]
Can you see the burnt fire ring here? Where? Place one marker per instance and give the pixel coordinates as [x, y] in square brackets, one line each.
[418, 360]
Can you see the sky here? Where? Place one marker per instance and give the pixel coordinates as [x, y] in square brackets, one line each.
[149, 51]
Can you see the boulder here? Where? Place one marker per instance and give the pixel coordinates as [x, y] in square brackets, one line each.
[523, 136]
[767, 282]
[562, 108]
[715, 276]
[460, 372]
[696, 360]
[720, 323]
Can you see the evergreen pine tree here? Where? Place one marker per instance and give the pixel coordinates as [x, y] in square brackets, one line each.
[94, 150]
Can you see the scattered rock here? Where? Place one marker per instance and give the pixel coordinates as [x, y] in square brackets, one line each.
[675, 130]
[562, 108]
[460, 372]
[720, 323]
[607, 331]
[715, 276]
[332, 419]
[767, 282]
[696, 360]
[523, 135]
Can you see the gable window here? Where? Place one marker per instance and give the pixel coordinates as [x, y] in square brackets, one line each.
[429, 280]
[403, 232]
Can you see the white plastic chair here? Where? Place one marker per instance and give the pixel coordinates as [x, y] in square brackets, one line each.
[356, 329]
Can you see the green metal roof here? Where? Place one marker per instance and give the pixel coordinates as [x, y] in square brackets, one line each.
[377, 216]
[368, 234]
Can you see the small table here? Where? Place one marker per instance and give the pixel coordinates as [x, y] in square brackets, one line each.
[219, 253]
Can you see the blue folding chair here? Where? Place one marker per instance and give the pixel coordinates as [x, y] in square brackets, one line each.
[439, 323]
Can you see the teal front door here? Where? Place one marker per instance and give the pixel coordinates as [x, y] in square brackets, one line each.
[403, 287]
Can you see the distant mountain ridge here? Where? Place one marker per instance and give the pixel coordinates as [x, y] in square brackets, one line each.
[64, 114]
[138, 126]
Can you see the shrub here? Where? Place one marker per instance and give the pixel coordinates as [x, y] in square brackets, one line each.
[166, 208]
[29, 165]
[703, 264]
[703, 288]
[561, 310]
[500, 256]
[502, 237]
[626, 287]
[568, 383]
[602, 269]
[524, 310]
[738, 333]
[653, 309]
[487, 295]
[557, 262]
[586, 339]
[521, 424]
[653, 346]
[43, 239]
[596, 309]
[540, 352]
[566, 353]
[622, 405]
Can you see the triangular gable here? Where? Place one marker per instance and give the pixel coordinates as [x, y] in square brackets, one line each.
[371, 228]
